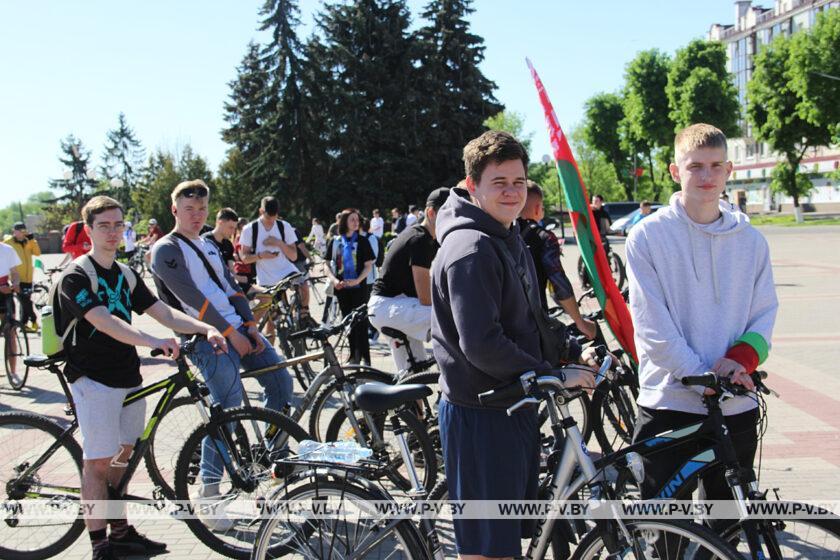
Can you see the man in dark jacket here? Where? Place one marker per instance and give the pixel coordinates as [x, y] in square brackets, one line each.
[484, 337]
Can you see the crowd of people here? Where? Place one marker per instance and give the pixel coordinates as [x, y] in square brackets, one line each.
[469, 272]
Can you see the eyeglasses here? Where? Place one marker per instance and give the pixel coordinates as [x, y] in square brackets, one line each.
[193, 192]
[107, 228]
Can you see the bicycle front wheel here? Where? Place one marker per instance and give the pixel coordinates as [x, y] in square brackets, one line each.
[41, 514]
[355, 530]
[617, 269]
[227, 512]
[614, 412]
[16, 349]
[659, 539]
[172, 431]
[805, 539]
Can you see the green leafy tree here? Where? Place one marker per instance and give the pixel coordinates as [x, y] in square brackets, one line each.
[512, 122]
[784, 181]
[123, 160]
[647, 122]
[701, 90]
[456, 95]
[815, 70]
[597, 173]
[17, 212]
[774, 109]
[78, 183]
[604, 114]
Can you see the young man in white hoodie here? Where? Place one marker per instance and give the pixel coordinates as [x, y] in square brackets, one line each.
[702, 299]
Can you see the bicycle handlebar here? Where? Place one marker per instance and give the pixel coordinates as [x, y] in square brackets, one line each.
[326, 331]
[187, 347]
[723, 384]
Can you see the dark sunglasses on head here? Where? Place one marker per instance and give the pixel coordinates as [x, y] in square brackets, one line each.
[193, 192]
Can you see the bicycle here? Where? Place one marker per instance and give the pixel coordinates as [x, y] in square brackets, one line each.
[15, 346]
[41, 289]
[46, 464]
[318, 482]
[138, 262]
[285, 315]
[617, 268]
[774, 539]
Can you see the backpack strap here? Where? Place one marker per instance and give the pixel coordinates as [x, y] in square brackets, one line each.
[207, 265]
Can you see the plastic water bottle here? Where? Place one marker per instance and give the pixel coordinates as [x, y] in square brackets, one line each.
[50, 343]
[348, 452]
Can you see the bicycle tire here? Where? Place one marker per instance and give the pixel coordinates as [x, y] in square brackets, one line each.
[793, 543]
[583, 275]
[162, 454]
[580, 409]
[18, 374]
[358, 376]
[258, 468]
[592, 545]
[418, 442]
[619, 274]
[406, 543]
[40, 293]
[32, 545]
[613, 405]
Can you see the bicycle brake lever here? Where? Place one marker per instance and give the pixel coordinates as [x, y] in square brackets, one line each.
[520, 404]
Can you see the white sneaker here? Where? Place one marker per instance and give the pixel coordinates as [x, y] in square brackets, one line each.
[211, 509]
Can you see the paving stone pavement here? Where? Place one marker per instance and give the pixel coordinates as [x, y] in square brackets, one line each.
[801, 451]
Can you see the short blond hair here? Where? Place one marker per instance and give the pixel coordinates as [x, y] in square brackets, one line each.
[186, 185]
[97, 205]
[696, 136]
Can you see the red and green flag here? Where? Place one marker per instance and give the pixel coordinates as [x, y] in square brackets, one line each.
[588, 238]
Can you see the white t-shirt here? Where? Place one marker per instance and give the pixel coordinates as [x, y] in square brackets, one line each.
[204, 283]
[377, 226]
[410, 219]
[130, 238]
[270, 271]
[9, 259]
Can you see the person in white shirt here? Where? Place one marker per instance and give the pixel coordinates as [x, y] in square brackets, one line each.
[316, 236]
[377, 224]
[411, 217]
[130, 239]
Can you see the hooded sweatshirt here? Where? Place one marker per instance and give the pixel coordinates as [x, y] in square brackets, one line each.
[695, 290]
[484, 335]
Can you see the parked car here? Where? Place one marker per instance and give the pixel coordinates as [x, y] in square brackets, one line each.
[622, 225]
[618, 209]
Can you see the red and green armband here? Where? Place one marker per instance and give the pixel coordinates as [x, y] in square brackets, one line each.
[749, 350]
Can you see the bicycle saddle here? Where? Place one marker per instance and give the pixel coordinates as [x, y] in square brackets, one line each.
[40, 361]
[379, 397]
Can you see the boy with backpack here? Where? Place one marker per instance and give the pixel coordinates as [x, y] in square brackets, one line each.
[93, 302]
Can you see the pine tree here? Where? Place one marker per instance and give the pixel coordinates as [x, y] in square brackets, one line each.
[245, 113]
[122, 159]
[374, 126]
[79, 182]
[460, 98]
[292, 153]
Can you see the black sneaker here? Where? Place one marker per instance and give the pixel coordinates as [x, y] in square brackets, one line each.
[135, 543]
[105, 554]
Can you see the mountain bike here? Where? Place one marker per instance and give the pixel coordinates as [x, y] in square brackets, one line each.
[42, 462]
[711, 443]
[138, 262]
[617, 269]
[289, 529]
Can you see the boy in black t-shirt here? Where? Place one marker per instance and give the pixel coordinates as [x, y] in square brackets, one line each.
[103, 366]
[401, 297]
[221, 235]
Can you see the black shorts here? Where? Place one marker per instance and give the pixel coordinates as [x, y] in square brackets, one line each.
[489, 455]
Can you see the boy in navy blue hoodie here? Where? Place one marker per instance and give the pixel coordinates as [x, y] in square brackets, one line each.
[484, 337]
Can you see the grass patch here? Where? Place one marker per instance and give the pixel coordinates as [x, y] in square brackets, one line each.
[788, 220]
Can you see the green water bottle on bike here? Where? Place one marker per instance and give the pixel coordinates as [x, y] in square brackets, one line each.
[50, 341]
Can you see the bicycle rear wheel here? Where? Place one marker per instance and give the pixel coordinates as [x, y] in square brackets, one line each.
[354, 531]
[28, 532]
[659, 539]
[16, 348]
[227, 516]
[617, 269]
[614, 415]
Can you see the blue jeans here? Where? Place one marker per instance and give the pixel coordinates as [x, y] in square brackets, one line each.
[221, 375]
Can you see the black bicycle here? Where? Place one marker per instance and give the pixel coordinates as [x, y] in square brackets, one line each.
[42, 466]
[15, 346]
[617, 269]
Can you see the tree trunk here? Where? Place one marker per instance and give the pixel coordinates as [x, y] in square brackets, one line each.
[797, 210]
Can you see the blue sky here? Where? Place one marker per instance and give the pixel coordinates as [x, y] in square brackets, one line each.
[71, 67]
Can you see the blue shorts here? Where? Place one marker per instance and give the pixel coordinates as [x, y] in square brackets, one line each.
[489, 455]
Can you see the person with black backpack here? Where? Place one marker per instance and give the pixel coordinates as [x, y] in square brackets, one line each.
[189, 273]
[545, 250]
[93, 302]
